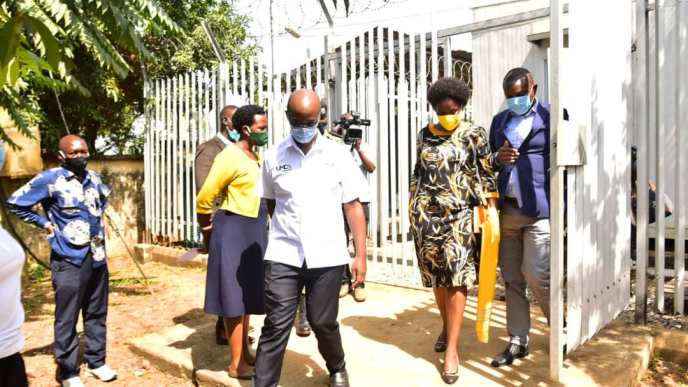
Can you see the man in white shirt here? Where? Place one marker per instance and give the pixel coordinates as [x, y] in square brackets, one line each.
[306, 180]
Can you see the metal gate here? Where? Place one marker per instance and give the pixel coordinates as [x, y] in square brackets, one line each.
[384, 74]
[661, 135]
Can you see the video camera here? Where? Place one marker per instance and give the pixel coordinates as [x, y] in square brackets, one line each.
[352, 128]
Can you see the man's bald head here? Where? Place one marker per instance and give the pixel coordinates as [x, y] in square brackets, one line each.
[73, 146]
[303, 108]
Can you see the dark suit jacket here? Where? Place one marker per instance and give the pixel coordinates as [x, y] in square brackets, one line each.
[205, 155]
[532, 164]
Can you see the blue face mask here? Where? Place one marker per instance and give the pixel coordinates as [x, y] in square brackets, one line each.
[519, 105]
[234, 135]
[304, 134]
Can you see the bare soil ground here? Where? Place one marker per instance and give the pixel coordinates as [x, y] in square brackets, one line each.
[177, 297]
[664, 373]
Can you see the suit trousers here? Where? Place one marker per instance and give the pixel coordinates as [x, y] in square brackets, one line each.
[524, 258]
[283, 285]
[79, 289]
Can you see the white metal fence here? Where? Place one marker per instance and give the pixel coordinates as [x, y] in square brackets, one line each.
[661, 135]
[384, 74]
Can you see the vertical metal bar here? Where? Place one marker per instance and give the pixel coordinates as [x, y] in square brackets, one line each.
[344, 84]
[682, 145]
[403, 157]
[318, 71]
[146, 160]
[446, 48]
[259, 94]
[361, 74]
[251, 82]
[299, 84]
[640, 87]
[309, 84]
[660, 124]
[351, 81]
[414, 121]
[393, 144]
[193, 116]
[434, 56]
[242, 92]
[188, 167]
[156, 160]
[168, 160]
[423, 86]
[374, 137]
[235, 80]
[383, 147]
[175, 158]
[557, 339]
[181, 156]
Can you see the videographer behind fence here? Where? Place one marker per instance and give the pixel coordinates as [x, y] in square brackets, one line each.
[349, 131]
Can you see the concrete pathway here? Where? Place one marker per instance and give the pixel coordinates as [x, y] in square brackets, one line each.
[389, 341]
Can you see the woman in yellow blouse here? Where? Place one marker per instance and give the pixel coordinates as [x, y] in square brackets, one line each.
[234, 282]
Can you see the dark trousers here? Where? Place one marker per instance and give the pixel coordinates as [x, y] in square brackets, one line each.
[283, 285]
[79, 289]
[13, 372]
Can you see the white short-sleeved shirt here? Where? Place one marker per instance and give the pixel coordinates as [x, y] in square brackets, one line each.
[12, 315]
[309, 190]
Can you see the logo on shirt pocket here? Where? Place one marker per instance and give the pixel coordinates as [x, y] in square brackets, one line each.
[283, 168]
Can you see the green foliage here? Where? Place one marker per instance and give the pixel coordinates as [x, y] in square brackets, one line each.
[193, 51]
[38, 39]
[102, 50]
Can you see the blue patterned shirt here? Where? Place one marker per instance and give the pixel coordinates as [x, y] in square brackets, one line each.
[74, 208]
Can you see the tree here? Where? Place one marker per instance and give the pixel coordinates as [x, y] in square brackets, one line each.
[110, 104]
[39, 40]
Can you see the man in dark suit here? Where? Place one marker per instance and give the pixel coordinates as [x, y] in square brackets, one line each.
[205, 155]
[519, 138]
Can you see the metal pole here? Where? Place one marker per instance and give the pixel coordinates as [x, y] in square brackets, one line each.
[328, 41]
[272, 42]
[557, 339]
[640, 76]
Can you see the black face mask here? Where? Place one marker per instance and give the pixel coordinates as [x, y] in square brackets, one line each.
[76, 164]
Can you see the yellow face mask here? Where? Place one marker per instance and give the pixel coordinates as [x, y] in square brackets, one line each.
[449, 122]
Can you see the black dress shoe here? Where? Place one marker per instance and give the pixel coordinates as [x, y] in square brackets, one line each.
[339, 379]
[441, 343]
[303, 329]
[512, 352]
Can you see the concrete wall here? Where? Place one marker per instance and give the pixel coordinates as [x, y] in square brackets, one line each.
[126, 205]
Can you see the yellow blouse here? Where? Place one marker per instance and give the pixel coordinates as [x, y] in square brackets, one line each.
[234, 175]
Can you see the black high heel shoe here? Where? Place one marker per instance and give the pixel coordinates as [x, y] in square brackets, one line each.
[441, 343]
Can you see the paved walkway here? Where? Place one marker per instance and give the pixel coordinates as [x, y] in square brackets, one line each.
[389, 341]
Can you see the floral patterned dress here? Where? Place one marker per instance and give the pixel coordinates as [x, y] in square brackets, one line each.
[447, 183]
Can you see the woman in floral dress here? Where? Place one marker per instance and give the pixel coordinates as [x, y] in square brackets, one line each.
[453, 173]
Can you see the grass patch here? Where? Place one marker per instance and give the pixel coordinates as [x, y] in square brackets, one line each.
[129, 281]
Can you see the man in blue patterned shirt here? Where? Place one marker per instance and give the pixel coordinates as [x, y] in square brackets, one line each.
[74, 200]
